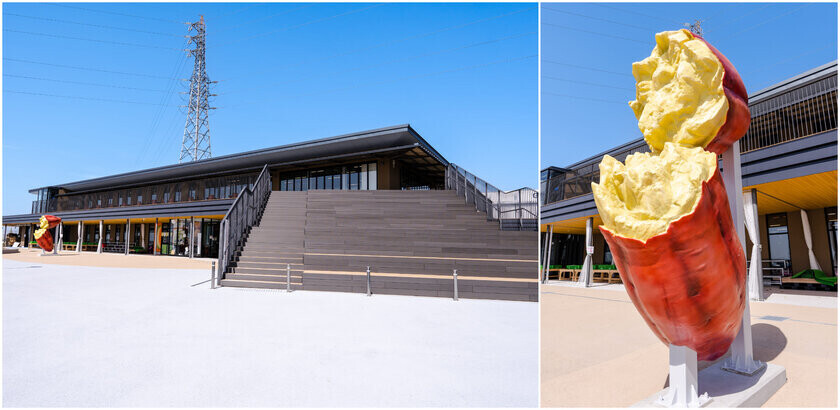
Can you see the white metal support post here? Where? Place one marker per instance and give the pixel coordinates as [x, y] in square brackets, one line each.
[586, 269]
[192, 237]
[80, 230]
[127, 234]
[59, 233]
[683, 390]
[741, 361]
[101, 235]
[549, 233]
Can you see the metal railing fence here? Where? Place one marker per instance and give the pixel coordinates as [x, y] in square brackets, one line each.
[242, 216]
[801, 112]
[520, 204]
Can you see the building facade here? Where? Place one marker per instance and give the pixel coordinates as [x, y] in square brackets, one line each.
[258, 213]
[788, 166]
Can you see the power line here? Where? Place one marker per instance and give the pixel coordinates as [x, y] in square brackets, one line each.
[400, 40]
[588, 83]
[79, 83]
[596, 18]
[114, 13]
[587, 68]
[89, 39]
[84, 68]
[583, 98]
[303, 24]
[76, 97]
[170, 88]
[769, 20]
[92, 25]
[224, 28]
[398, 60]
[667, 20]
[471, 67]
[595, 33]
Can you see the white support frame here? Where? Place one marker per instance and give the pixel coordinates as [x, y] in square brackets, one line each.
[741, 361]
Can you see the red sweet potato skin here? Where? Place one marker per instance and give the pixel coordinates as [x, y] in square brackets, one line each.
[688, 283]
[738, 115]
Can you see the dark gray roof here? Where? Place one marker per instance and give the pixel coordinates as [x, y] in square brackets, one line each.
[377, 140]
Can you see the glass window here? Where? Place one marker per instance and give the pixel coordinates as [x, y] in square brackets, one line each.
[372, 176]
[363, 177]
[777, 233]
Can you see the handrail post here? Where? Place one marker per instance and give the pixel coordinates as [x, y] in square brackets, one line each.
[213, 275]
[455, 283]
[288, 278]
[368, 281]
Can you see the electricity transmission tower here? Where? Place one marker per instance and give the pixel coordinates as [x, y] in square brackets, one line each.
[196, 142]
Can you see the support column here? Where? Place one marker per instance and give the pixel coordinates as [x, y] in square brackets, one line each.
[80, 231]
[59, 233]
[191, 239]
[101, 236]
[127, 234]
[156, 243]
[143, 236]
[586, 270]
[683, 390]
[549, 235]
[741, 361]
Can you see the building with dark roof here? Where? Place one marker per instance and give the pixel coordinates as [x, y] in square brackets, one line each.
[246, 209]
[788, 165]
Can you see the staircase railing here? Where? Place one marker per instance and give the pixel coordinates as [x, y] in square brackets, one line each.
[520, 204]
[240, 218]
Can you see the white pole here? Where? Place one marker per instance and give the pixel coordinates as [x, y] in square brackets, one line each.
[741, 361]
[101, 235]
[682, 379]
[586, 269]
[79, 233]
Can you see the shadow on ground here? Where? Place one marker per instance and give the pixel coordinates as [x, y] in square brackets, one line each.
[768, 343]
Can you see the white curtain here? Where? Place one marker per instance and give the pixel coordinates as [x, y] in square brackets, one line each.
[755, 282]
[806, 227]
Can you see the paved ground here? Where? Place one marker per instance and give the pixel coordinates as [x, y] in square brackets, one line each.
[87, 336]
[109, 260]
[597, 352]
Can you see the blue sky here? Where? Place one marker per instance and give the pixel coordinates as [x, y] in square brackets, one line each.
[463, 75]
[592, 47]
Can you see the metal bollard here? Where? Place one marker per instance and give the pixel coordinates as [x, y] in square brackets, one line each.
[455, 283]
[288, 278]
[368, 281]
[213, 275]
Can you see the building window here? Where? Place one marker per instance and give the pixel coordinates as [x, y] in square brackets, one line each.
[831, 222]
[777, 234]
[608, 258]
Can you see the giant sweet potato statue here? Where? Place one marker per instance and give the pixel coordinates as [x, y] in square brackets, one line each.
[666, 213]
[43, 237]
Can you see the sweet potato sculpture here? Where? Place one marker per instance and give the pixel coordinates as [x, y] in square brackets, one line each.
[43, 237]
[666, 213]
[667, 222]
[689, 93]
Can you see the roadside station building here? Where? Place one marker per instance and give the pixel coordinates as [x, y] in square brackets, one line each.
[382, 198]
[788, 166]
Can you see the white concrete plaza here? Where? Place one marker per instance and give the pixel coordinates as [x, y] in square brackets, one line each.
[85, 336]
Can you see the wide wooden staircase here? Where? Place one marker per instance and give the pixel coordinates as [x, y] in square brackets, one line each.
[411, 240]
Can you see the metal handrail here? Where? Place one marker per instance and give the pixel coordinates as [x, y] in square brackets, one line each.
[243, 214]
[519, 204]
